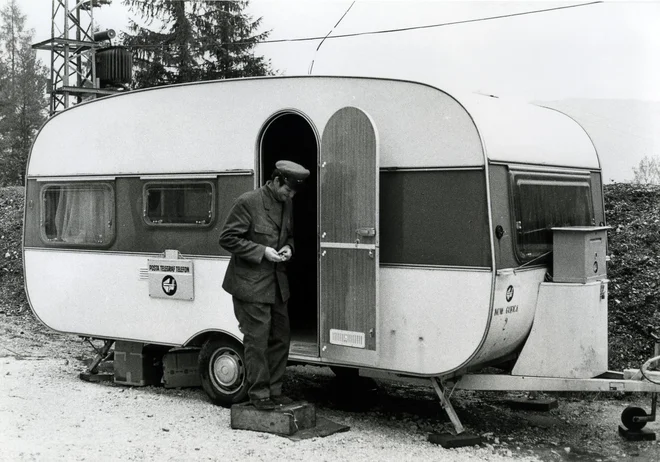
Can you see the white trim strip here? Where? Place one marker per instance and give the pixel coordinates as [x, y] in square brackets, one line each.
[69, 179]
[412, 266]
[346, 245]
[125, 253]
[545, 169]
[167, 176]
[196, 176]
[186, 176]
[430, 169]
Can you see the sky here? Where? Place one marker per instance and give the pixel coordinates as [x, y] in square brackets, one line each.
[604, 50]
[577, 51]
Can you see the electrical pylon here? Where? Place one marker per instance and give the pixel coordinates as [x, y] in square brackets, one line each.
[72, 53]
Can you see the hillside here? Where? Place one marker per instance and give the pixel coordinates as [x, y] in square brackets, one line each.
[633, 212]
[634, 270]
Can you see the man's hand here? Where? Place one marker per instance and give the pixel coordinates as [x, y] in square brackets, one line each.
[272, 255]
[285, 253]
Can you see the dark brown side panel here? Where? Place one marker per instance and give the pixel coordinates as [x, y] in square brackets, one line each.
[434, 218]
[133, 234]
[597, 197]
[501, 201]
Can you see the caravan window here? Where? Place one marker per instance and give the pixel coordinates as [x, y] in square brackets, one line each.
[543, 201]
[179, 203]
[78, 214]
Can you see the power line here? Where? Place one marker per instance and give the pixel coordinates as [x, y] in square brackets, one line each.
[430, 26]
[311, 66]
[390, 31]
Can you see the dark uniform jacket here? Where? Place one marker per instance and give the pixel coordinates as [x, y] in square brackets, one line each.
[254, 223]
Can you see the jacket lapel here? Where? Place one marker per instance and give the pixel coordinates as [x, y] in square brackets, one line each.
[286, 216]
[271, 211]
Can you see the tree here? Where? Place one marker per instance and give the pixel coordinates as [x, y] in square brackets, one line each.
[22, 101]
[193, 40]
[648, 171]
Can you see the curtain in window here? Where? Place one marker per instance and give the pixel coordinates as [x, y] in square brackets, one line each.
[83, 216]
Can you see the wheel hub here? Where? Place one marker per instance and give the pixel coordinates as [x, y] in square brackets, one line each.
[226, 370]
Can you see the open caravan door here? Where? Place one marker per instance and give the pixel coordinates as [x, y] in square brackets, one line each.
[349, 238]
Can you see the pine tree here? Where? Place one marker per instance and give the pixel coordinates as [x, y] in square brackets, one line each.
[187, 41]
[22, 100]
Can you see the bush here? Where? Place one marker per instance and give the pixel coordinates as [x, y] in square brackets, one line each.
[633, 212]
[12, 293]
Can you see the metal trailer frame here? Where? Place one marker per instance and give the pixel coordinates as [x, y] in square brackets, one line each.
[640, 380]
[631, 381]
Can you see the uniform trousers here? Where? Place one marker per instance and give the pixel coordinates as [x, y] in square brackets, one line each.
[266, 339]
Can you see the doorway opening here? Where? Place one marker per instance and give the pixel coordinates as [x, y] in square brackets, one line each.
[290, 136]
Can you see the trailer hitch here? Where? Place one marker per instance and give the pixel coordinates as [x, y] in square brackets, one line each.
[635, 418]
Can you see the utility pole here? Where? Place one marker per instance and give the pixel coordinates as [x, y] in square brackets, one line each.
[73, 46]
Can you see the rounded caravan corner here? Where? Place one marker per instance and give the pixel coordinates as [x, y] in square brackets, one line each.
[493, 270]
[540, 141]
[581, 126]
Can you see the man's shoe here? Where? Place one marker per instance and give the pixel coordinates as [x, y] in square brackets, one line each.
[265, 404]
[281, 399]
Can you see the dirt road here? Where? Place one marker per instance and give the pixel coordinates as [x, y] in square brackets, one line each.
[47, 413]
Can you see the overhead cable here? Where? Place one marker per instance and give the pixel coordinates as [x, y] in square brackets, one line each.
[390, 31]
[311, 65]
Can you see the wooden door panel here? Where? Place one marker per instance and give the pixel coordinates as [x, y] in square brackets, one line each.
[348, 193]
[349, 292]
[349, 236]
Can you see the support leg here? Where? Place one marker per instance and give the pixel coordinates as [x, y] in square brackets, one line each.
[440, 390]
[101, 355]
[91, 374]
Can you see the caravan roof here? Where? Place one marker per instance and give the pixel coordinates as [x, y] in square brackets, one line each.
[418, 126]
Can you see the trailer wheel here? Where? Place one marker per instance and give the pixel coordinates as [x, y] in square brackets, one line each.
[222, 371]
[627, 418]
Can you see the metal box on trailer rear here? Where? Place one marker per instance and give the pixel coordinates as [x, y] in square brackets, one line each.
[579, 253]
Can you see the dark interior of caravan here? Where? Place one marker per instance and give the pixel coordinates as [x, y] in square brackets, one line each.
[289, 136]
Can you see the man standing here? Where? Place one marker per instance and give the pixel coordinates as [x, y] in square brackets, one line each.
[259, 235]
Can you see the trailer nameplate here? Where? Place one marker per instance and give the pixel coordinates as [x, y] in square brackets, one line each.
[171, 279]
[347, 338]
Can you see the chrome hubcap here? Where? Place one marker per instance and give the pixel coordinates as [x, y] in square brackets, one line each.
[227, 370]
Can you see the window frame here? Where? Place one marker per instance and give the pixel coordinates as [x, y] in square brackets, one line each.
[107, 185]
[178, 182]
[576, 178]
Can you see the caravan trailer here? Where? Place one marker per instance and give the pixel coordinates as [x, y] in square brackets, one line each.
[439, 233]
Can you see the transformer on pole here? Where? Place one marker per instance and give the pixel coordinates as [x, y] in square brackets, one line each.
[73, 47]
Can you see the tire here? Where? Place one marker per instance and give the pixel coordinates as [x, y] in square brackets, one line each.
[222, 371]
[627, 418]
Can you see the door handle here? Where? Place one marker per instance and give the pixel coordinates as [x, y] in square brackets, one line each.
[366, 232]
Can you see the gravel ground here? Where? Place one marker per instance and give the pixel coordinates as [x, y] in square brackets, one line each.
[47, 413]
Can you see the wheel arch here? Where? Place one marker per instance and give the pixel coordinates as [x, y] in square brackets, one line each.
[199, 338]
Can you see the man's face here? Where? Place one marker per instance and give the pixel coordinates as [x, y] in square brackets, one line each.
[282, 191]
